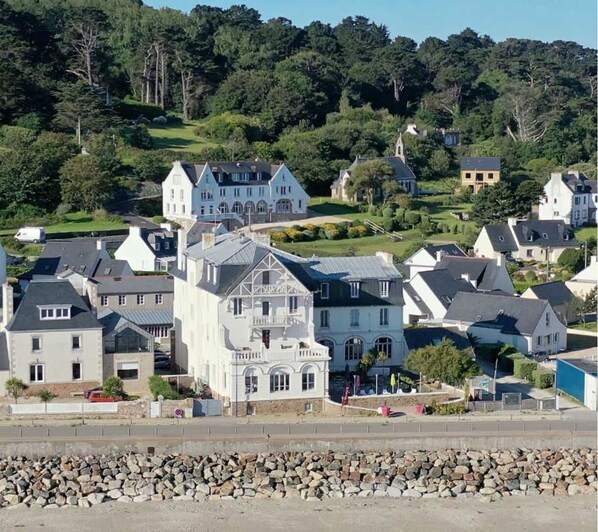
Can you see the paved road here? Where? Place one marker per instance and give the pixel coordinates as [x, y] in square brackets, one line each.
[205, 430]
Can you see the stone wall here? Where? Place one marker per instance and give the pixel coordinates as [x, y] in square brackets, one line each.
[66, 389]
[284, 406]
[485, 475]
[398, 401]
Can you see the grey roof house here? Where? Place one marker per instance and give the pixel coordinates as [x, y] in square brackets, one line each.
[558, 295]
[531, 325]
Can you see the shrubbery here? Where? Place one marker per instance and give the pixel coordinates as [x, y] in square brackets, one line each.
[543, 379]
[328, 231]
[159, 386]
[524, 368]
[448, 409]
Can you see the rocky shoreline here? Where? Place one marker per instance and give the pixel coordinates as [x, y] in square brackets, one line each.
[490, 475]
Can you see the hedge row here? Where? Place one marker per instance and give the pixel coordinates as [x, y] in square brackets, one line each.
[528, 370]
[329, 231]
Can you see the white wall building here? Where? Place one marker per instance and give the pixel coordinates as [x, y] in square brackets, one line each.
[586, 280]
[531, 325]
[427, 258]
[250, 191]
[525, 240]
[149, 250]
[263, 327]
[570, 197]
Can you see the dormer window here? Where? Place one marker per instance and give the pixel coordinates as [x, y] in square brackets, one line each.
[384, 288]
[55, 312]
[354, 289]
[324, 290]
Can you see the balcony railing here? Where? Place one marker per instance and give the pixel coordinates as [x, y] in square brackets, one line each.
[271, 321]
[273, 289]
[279, 355]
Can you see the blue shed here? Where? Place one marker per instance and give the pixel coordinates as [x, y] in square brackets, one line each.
[577, 378]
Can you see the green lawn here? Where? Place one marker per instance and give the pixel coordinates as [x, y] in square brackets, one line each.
[593, 326]
[179, 137]
[77, 221]
[583, 233]
[361, 246]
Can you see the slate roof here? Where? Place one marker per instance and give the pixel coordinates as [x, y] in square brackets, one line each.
[80, 257]
[236, 255]
[501, 237]
[194, 234]
[148, 316]
[446, 249]
[556, 292]
[444, 285]
[508, 314]
[545, 233]
[580, 184]
[157, 238]
[134, 284]
[401, 170]
[481, 163]
[585, 364]
[418, 337]
[421, 305]
[483, 271]
[108, 267]
[112, 321]
[4, 361]
[51, 292]
[226, 168]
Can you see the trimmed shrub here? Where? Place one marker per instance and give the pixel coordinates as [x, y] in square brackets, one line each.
[387, 213]
[523, 368]
[295, 235]
[357, 222]
[374, 211]
[530, 276]
[507, 362]
[311, 227]
[400, 215]
[389, 225]
[543, 379]
[278, 236]
[159, 386]
[309, 235]
[446, 409]
[332, 234]
[363, 230]
[352, 232]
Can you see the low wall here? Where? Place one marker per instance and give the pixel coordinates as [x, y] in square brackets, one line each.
[63, 408]
[398, 401]
[285, 406]
[65, 389]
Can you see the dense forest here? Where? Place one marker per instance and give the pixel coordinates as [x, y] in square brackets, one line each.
[81, 70]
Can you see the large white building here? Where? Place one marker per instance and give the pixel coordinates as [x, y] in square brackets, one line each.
[248, 191]
[263, 327]
[570, 197]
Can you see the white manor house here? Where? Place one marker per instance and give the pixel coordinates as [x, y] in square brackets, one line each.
[245, 191]
[263, 327]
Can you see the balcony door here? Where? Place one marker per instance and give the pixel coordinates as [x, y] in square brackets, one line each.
[265, 308]
[266, 338]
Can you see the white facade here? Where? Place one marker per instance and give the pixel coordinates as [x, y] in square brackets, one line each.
[223, 336]
[141, 256]
[422, 261]
[549, 335]
[2, 265]
[571, 200]
[204, 196]
[586, 280]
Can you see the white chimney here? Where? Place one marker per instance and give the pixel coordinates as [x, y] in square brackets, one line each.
[500, 260]
[512, 221]
[262, 239]
[7, 304]
[135, 231]
[167, 226]
[386, 257]
[439, 255]
[181, 247]
[208, 240]
[101, 245]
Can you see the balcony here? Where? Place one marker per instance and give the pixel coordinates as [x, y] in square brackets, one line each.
[273, 289]
[280, 354]
[272, 321]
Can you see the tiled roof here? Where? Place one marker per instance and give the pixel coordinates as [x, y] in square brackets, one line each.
[418, 337]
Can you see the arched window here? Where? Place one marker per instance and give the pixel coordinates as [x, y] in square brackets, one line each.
[383, 345]
[249, 207]
[308, 379]
[353, 349]
[223, 208]
[262, 207]
[330, 345]
[237, 207]
[280, 381]
[250, 381]
[283, 205]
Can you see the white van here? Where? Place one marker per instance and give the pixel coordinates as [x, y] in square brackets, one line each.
[31, 234]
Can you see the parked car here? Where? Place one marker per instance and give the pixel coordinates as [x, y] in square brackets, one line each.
[162, 362]
[98, 396]
[31, 234]
[96, 389]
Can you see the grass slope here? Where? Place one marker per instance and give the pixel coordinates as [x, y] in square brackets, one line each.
[77, 221]
[179, 137]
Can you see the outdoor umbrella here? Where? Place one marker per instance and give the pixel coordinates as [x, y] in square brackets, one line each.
[393, 381]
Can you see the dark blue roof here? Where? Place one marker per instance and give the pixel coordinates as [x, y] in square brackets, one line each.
[481, 163]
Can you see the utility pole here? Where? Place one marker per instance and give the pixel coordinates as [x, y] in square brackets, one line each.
[585, 254]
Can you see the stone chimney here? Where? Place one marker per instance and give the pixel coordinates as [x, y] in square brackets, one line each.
[386, 257]
[208, 240]
[101, 245]
[7, 304]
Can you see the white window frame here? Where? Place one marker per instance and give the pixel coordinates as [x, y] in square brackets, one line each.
[237, 306]
[251, 384]
[122, 300]
[39, 338]
[384, 289]
[280, 382]
[293, 304]
[80, 371]
[37, 367]
[140, 299]
[384, 316]
[354, 317]
[308, 381]
[354, 289]
[159, 299]
[104, 301]
[324, 319]
[80, 342]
